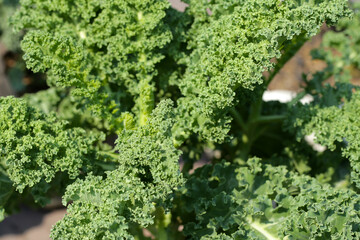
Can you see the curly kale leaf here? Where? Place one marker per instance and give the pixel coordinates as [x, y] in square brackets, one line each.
[113, 206]
[233, 46]
[34, 147]
[103, 48]
[333, 125]
[265, 202]
[66, 107]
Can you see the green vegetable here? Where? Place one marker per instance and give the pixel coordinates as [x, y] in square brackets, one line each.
[135, 88]
[264, 202]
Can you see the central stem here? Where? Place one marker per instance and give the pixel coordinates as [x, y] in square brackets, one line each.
[145, 101]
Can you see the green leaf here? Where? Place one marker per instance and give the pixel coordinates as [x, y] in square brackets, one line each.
[264, 202]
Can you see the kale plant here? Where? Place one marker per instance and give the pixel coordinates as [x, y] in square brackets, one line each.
[138, 89]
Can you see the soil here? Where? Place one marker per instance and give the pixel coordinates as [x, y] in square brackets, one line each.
[5, 88]
[30, 224]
